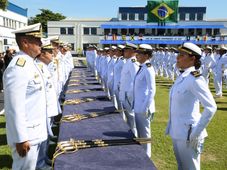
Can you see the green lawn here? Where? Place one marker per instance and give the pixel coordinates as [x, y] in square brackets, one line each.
[215, 150]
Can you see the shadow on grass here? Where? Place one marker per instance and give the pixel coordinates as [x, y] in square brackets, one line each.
[3, 140]
[6, 161]
[3, 125]
[222, 108]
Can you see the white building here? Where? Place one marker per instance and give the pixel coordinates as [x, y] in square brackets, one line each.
[12, 18]
[79, 32]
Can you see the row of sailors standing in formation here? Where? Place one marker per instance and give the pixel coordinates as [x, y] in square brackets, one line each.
[33, 82]
[56, 64]
[128, 72]
[213, 61]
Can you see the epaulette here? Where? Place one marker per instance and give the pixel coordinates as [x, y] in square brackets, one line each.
[21, 62]
[196, 73]
[148, 64]
[122, 58]
[133, 60]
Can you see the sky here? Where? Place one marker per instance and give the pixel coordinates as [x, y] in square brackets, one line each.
[109, 8]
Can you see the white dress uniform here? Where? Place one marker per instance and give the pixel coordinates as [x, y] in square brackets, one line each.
[128, 74]
[186, 125]
[25, 108]
[110, 76]
[144, 104]
[52, 110]
[117, 77]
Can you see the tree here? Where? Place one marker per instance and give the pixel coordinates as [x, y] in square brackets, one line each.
[46, 15]
[3, 4]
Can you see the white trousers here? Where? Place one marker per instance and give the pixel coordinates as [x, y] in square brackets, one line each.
[143, 124]
[188, 158]
[28, 162]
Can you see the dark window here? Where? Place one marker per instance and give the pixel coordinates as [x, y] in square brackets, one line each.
[5, 42]
[114, 31]
[180, 32]
[141, 16]
[63, 30]
[72, 45]
[182, 16]
[208, 31]
[153, 31]
[131, 31]
[93, 31]
[106, 31]
[191, 31]
[131, 16]
[169, 33]
[124, 16]
[192, 16]
[70, 31]
[199, 31]
[123, 31]
[142, 31]
[200, 16]
[216, 31]
[86, 31]
[161, 32]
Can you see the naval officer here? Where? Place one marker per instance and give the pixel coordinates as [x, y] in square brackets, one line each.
[186, 125]
[144, 93]
[25, 100]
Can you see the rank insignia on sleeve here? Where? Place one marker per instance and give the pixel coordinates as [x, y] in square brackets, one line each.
[133, 60]
[21, 62]
[148, 64]
[196, 73]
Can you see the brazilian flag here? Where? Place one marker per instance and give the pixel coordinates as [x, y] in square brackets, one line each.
[162, 11]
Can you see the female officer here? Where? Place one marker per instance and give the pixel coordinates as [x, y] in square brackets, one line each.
[186, 125]
[144, 92]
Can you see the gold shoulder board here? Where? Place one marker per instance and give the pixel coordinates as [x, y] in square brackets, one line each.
[196, 73]
[133, 60]
[21, 62]
[148, 64]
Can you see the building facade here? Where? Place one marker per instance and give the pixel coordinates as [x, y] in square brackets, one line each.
[12, 18]
[131, 25]
[79, 32]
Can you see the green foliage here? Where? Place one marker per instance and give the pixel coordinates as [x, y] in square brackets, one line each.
[3, 4]
[44, 16]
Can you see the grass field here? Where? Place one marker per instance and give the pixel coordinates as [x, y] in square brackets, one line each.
[214, 156]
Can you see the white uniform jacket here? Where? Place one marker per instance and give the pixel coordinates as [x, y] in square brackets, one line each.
[128, 74]
[144, 89]
[25, 101]
[185, 95]
[51, 95]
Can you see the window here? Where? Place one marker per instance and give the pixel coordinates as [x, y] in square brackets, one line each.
[191, 31]
[106, 31]
[216, 31]
[86, 31]
[72, 45]
[141, 16]
[180, 32]
[70, 31]
[4, 22]
[131, 16]
[131, 31]
[124, 16]
[93, 31]
[62, 30]
[208, 31]
[192, 17]
[123, 31]
[182, 16]
[199, 31]
[114, 31]
[142, 31]
[5, 41]
[200, 16]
